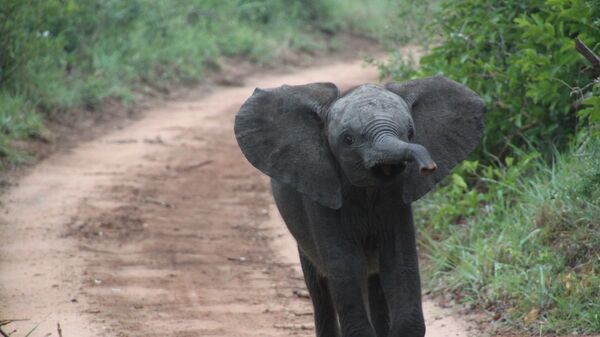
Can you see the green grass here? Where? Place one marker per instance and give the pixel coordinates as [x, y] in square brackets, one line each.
[521, 240]
[517, 232]
[59, 55]
[18, 120]
[390, 22]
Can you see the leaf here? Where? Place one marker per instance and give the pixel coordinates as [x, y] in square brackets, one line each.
[470, 166]
[457, 180]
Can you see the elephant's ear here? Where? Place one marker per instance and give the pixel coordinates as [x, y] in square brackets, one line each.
[280, 132]
[448, 119]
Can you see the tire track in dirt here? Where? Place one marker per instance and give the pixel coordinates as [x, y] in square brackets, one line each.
[161, 228]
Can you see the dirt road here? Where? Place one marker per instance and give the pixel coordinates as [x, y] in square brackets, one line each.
[161, 228]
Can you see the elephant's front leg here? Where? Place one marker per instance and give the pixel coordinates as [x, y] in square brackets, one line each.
[347, 280]
[399, 270]
[325, 318]
[345, 267]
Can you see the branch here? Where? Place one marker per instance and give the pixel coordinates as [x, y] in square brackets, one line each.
[588, 54]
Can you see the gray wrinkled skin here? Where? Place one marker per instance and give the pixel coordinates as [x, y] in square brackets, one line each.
[371, 116]
[344, 171]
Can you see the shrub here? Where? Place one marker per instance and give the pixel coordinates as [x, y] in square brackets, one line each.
[520, 56]
[59, 54]
[520, 239]
[515, 230]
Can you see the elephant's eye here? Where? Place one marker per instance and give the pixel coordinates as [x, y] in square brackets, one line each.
[348, 140]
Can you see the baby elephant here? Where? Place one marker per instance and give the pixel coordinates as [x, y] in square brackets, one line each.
[344, 170]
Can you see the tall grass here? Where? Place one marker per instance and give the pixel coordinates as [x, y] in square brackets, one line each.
[56, 55]
[517, 232]
[521, 240]
[63, 54]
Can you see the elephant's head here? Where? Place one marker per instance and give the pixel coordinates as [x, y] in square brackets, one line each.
[311, 138]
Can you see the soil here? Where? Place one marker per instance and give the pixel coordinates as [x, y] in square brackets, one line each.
[160, 227]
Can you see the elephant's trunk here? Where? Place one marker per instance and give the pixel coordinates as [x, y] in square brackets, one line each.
[391, 152]
[420, 154]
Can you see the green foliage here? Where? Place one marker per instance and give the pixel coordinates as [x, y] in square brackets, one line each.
[56, 55]
[389, 21]
[516, 230]
[59, 54]
[63, 54]
[591, 113]
[18, 120]
[20, 125]
[521, 239]
[520, 56]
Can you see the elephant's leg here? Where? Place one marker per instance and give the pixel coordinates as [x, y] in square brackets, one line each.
[378, 307]
[347, 282]
[325, 318]
[344, 264]
[346, 271]
[399, 272]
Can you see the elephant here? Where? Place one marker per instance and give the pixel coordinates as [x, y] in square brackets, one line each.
[344, 169]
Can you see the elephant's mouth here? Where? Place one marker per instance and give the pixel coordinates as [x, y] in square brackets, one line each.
[387, 171]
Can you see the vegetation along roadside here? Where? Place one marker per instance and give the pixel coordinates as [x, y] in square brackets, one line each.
[59, 57]
[516, 230]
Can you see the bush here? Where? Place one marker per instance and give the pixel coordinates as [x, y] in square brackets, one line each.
[520, 56]
[515, 229]
[56, 55]
[64, 54]
[520, 240]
